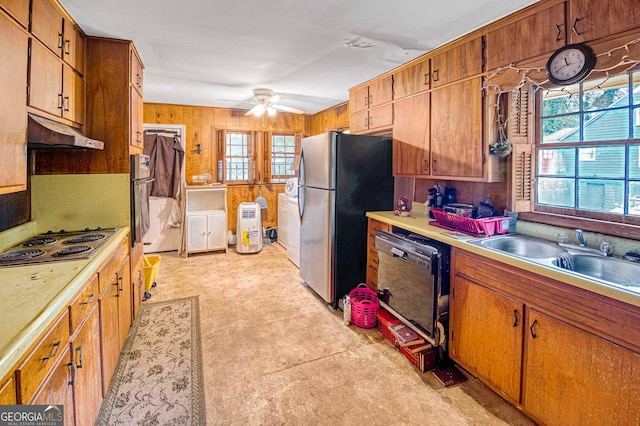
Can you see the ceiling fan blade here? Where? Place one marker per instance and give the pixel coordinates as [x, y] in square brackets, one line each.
[287, 109]
[256, 110]
[277, 97]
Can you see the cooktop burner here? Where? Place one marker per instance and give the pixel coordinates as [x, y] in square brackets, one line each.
[38, 241]
[72, 250]
[56, 246]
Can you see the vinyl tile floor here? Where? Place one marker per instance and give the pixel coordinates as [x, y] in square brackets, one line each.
[274, 353]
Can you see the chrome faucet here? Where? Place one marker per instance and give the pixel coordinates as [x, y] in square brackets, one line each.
[580, 237]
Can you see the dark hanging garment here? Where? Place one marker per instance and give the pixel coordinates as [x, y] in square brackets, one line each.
[166, 156]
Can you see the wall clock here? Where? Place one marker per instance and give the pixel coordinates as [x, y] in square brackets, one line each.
[570, 64]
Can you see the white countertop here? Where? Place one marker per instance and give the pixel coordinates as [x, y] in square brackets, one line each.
[417, 222]
[31, 297]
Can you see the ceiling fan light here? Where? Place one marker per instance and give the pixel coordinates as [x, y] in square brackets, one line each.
[258, 110]
[271, 111]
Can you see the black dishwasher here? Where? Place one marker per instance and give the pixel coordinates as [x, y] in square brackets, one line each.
[413, 281]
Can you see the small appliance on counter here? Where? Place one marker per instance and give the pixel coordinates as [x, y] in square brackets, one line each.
[440, 195]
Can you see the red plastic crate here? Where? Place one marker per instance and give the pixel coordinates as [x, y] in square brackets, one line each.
[487, 226]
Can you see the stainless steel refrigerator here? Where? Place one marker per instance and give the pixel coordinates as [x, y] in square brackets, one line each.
[342, 177]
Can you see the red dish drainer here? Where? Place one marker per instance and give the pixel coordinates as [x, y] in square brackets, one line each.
[487, 226]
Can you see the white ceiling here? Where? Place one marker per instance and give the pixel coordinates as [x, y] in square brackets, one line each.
[197, 51]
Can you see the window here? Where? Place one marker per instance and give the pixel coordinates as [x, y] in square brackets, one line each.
[283, 154]
[588, 156]
[236, 161]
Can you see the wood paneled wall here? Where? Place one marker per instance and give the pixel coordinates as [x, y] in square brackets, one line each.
[202, 123]
[334, 118]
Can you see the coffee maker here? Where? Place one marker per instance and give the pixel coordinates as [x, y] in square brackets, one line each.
[440, 195]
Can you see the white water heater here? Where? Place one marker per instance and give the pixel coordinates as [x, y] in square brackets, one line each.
[249, 229]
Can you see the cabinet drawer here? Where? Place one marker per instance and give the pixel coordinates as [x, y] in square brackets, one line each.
[41, 360]
[372, 259]
[375, 225]
[372, 278]
[83, 303]
[111, 266]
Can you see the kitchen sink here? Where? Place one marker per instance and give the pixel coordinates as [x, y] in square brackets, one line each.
[518, 245]
[607, 269]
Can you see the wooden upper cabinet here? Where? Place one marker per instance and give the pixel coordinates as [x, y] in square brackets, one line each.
[592, 19]
[46, 25]
[72, 95]
[373, 95]
[414, 79]
[18, 9]
[45, 80]
[411, 130]
[58, 33]
[13, 109]
[74, 46]
[537, 34]
[464, 60]
[136, 76]
[457, 147]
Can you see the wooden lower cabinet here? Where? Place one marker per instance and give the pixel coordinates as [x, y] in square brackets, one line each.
[137, 288]
[109, 333]
[58, 388]
[85, 356]
[372, 252]
[572, 377]
[8, 391]
[486, 336]
[553, 350]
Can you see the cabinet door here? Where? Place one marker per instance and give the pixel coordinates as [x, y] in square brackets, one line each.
[58, 388]
[137, 290]
[109, 333]
[217, 231]
[125, 303]
[74, 45]
[19, 9]
[88, 376]
[381, 92]
[45, 87]
[196, 233]
[381, 117]
[485, 332]
[135, 71]
[411, 129]
[592, 19]
[135, 118]
[457, 63]
[456, 130]
[359, 100]
[359, 122]
[575, 378]
[414, 79]
[73, 99]
[534, 35]
[13, 109]
[372, 253]
[47, 25]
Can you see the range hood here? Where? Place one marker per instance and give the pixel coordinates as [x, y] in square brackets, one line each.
[45, 133]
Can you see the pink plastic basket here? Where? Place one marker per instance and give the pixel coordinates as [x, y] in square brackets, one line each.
[364, 306]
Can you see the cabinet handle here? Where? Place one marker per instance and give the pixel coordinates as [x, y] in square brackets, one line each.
[56, 347]
[67, 45]
[435, 165]
[559, 32]
[370, 100]
[376, 261]
[575, 30]
[426, 78]
[89, 300]
[117, 284]
[436, 75]
[532, 329]
[79, 354]
[366, 122]
[67, 103]
[120, 283]
[515, 318]
[60, 41]
[138, 80]
[425, 165]
[73, 373]
[370, 121]
[60, 101]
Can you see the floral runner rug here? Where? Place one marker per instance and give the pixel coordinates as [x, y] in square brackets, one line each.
[158, 378]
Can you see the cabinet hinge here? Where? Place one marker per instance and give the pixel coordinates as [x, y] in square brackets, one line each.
[27, 90]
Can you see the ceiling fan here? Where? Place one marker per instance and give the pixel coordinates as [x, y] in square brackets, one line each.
[266, 102]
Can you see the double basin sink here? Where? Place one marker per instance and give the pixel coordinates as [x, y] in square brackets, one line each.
[608, 270]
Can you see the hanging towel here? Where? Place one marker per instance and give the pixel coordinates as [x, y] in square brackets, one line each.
[167, 156]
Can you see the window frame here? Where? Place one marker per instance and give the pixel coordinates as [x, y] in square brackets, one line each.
[269, 156]
[611, 223]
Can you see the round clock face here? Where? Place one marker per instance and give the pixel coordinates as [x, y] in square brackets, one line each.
[570, 64]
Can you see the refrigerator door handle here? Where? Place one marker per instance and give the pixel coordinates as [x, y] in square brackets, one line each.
[302, 187]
